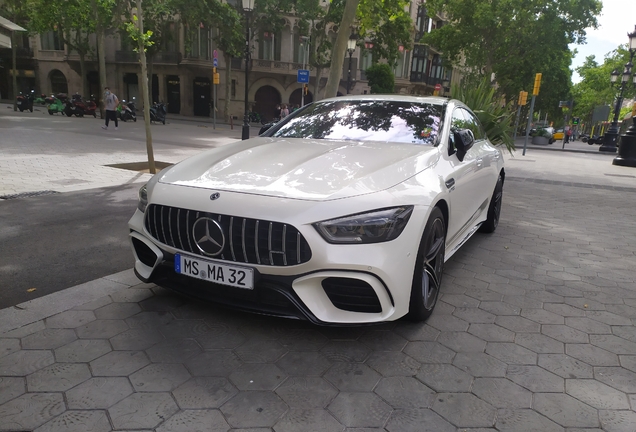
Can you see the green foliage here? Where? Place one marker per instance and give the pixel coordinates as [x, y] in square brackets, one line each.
[496, 118]
[388, 24]
[381, 78]
[515, 39]
[541, 132]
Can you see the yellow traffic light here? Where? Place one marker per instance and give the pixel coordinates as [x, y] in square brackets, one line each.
[523, 97]
[537, 84]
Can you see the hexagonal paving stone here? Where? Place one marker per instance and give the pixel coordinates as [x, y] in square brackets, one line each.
[304, 340]
[565, 366]
[159, 377]
[174, 351]
[416, 420]
[429, 352]
[308, 419]
[564, 333]
[149, 320]
[220, 363]
[614, 344]
[352, 377]
[617, 421]
[445, 378]
[254, 376]
[204, 392]
[82, 351]
[303, 363]
[69, 319]
[617, 377]
[480, 365]
[254, 409]
[628, 362]
[524, 420]
[306, 392]
[542, 316]
[48, 339]
[184, 328]
[360, 410]
[393, 363]
[592, 355]
[464, 410]
[382, 340]
[25, 362]
[132, 295]
[474, 315]
[142, 411]
[195, 420]
[461, 342]
[101, 329]
[502, 393]
[162, 303]
[136, 339]
[443, 322]
[540, 344]
[41, 408]
[116, 311]
[608, 318]
[405, 392]
[565, 410]
[588, 325]
[499, 308]
[511, 353]
[58, 377]
[416, 331]
[98, 393]
[536, 379]
[260, 351]
[78, 421]
[10, 388]
[119, 363]
[9, 346]
[221, 337]
[596, 394]
[491, 332]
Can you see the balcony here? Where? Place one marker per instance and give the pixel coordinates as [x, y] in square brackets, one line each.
[163, 57]
[126, 57]
[52, 55]
[276, 66]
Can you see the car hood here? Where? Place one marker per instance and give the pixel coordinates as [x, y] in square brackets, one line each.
[302, 168]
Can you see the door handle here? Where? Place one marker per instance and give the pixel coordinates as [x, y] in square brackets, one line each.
[450, 183]
[480, 161]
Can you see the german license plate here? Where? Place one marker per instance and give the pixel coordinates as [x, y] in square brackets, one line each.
[212, 271]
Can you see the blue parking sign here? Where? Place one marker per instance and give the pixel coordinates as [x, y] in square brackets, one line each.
[303, 76]
[215, 62]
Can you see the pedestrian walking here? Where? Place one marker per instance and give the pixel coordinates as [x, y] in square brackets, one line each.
[284, 111]
[277, 112]
[111, 102]
[567, 136]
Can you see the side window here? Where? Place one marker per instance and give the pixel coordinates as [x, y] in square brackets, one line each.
[474, 125]
[457, 122]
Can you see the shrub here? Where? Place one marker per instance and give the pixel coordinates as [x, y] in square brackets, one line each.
[381, 78]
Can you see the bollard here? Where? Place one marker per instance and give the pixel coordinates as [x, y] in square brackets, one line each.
[232, 122]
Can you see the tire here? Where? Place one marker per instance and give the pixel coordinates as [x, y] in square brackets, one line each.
[494, 209]
[163, 121]
[135, 119]
[51, 112]
[31, 109]
[94, 114]
[429, 267]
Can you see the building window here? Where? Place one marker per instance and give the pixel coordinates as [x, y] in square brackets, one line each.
[269, 46]
[422, 23]
[51, 41]
[301, 49]
[199, 48]
[402, 64]
[233, 92]
[170, 44]
[437, 70]
[420, 63]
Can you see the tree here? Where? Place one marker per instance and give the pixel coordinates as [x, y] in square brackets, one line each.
[381, 78]
[339, 48]
[514, 39]
[16, 10]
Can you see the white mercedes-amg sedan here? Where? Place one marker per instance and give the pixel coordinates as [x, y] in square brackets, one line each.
[343, 213]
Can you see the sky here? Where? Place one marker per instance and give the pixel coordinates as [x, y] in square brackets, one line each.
[617, 18]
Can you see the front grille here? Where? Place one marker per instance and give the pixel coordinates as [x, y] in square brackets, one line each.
[249, 241]
[353, 295]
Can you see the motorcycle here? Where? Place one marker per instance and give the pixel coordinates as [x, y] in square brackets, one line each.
[128, 111]
[71, 109]
[158, 112]
[41, 99]
[56, 105]
[25, 102]
[596, 139]
[86, 108]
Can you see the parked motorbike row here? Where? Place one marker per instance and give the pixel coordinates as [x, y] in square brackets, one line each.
[76, 106]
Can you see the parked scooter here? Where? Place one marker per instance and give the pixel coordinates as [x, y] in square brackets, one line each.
[158, 112]
[70, 109]
[85, 108]
[40, 99]
[56, 105]
[128, 111]
[25, 101]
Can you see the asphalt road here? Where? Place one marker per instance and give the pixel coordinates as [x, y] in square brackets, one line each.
[53, 242]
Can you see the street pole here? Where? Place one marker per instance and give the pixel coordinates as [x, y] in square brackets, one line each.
[349, 76]
[525, 143]
[514, 135]
[246, 121]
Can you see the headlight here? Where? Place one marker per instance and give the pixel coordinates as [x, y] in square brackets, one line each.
[143, 198]
[373, 227]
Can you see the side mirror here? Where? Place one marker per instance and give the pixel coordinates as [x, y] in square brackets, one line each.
[266, 127]
[134, 98]
[464, 140]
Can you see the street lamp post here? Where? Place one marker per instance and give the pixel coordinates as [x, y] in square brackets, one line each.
[627, 146]
[612, 135]
[351, 47]
[248, 6]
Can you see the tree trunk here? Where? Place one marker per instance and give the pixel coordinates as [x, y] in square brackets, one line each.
[85, 90]
[151, 63]
[339, 48]
[144, 90]
[228, 87]
[101, 54]
[317, 84]
[15, 72]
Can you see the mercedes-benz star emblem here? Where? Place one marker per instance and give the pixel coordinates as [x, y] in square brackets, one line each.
[215, 196]
[208, 236]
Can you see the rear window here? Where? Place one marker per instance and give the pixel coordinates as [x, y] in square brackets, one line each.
[389, 121]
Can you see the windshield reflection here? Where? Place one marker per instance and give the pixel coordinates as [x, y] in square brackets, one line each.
[388, 121]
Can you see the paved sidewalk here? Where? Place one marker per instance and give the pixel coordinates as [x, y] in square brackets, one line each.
[535, 331]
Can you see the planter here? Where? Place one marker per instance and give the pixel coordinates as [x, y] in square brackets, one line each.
[540, 140]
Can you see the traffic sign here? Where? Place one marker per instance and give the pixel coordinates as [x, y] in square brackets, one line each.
[215, 62]
[303, 75]
[438, 87]
[215, 53]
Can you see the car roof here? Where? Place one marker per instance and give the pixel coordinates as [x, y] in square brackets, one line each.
[434, 100]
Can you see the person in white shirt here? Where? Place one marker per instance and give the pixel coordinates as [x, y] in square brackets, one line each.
[111, 102]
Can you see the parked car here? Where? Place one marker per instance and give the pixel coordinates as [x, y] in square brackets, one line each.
[342, 213]
[558, 135]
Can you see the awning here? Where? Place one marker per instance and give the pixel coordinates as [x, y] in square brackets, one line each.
[5, 40]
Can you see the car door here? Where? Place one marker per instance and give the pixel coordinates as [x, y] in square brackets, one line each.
[460, 182]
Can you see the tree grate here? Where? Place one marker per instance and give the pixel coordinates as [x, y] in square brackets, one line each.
[28, 194]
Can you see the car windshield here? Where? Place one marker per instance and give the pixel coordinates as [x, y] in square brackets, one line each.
[365, 120]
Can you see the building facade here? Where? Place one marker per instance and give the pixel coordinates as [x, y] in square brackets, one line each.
[182, 75]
